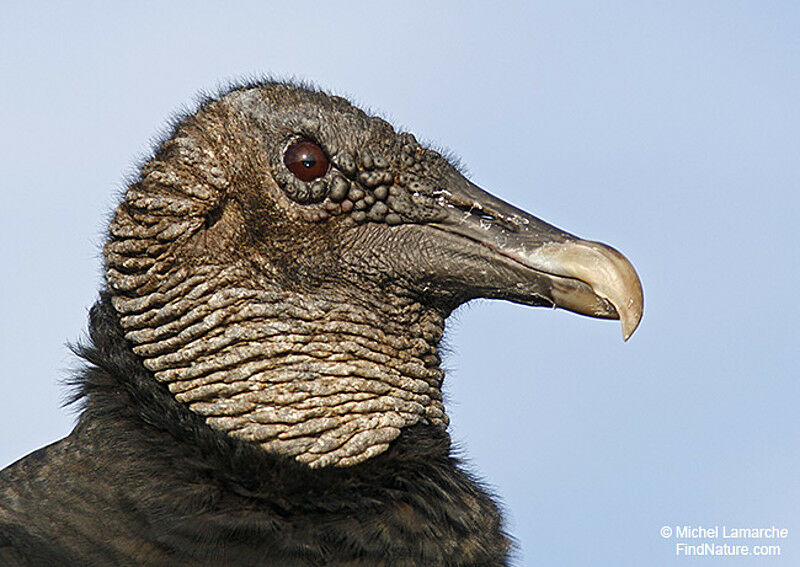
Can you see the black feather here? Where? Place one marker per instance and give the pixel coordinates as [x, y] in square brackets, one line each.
[144, 481]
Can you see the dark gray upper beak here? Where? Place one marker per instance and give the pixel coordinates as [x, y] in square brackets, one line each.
[582, 276]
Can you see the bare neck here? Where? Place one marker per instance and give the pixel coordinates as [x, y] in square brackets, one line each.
[323, 378]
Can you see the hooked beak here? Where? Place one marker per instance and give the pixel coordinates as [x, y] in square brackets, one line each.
[550, 266]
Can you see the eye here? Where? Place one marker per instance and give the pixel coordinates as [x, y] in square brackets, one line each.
[306, 160]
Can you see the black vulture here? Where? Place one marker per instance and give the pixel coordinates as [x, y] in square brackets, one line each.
[262, 382]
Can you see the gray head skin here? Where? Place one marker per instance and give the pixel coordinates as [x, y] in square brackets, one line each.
[305, 316]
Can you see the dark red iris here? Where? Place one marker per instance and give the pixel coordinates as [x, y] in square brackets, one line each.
[306, 160]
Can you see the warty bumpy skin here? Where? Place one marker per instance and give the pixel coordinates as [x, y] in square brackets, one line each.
[275, 341]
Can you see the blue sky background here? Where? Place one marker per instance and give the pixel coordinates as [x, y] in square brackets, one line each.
[670, 130]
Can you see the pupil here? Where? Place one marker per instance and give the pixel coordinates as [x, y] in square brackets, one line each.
[309, 162]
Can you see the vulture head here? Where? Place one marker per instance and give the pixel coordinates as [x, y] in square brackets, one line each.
[285, 262]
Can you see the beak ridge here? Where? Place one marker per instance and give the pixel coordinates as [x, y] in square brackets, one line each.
[582, 276]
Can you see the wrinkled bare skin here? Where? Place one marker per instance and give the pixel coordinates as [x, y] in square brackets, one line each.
[262, 317]
[305, 317]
